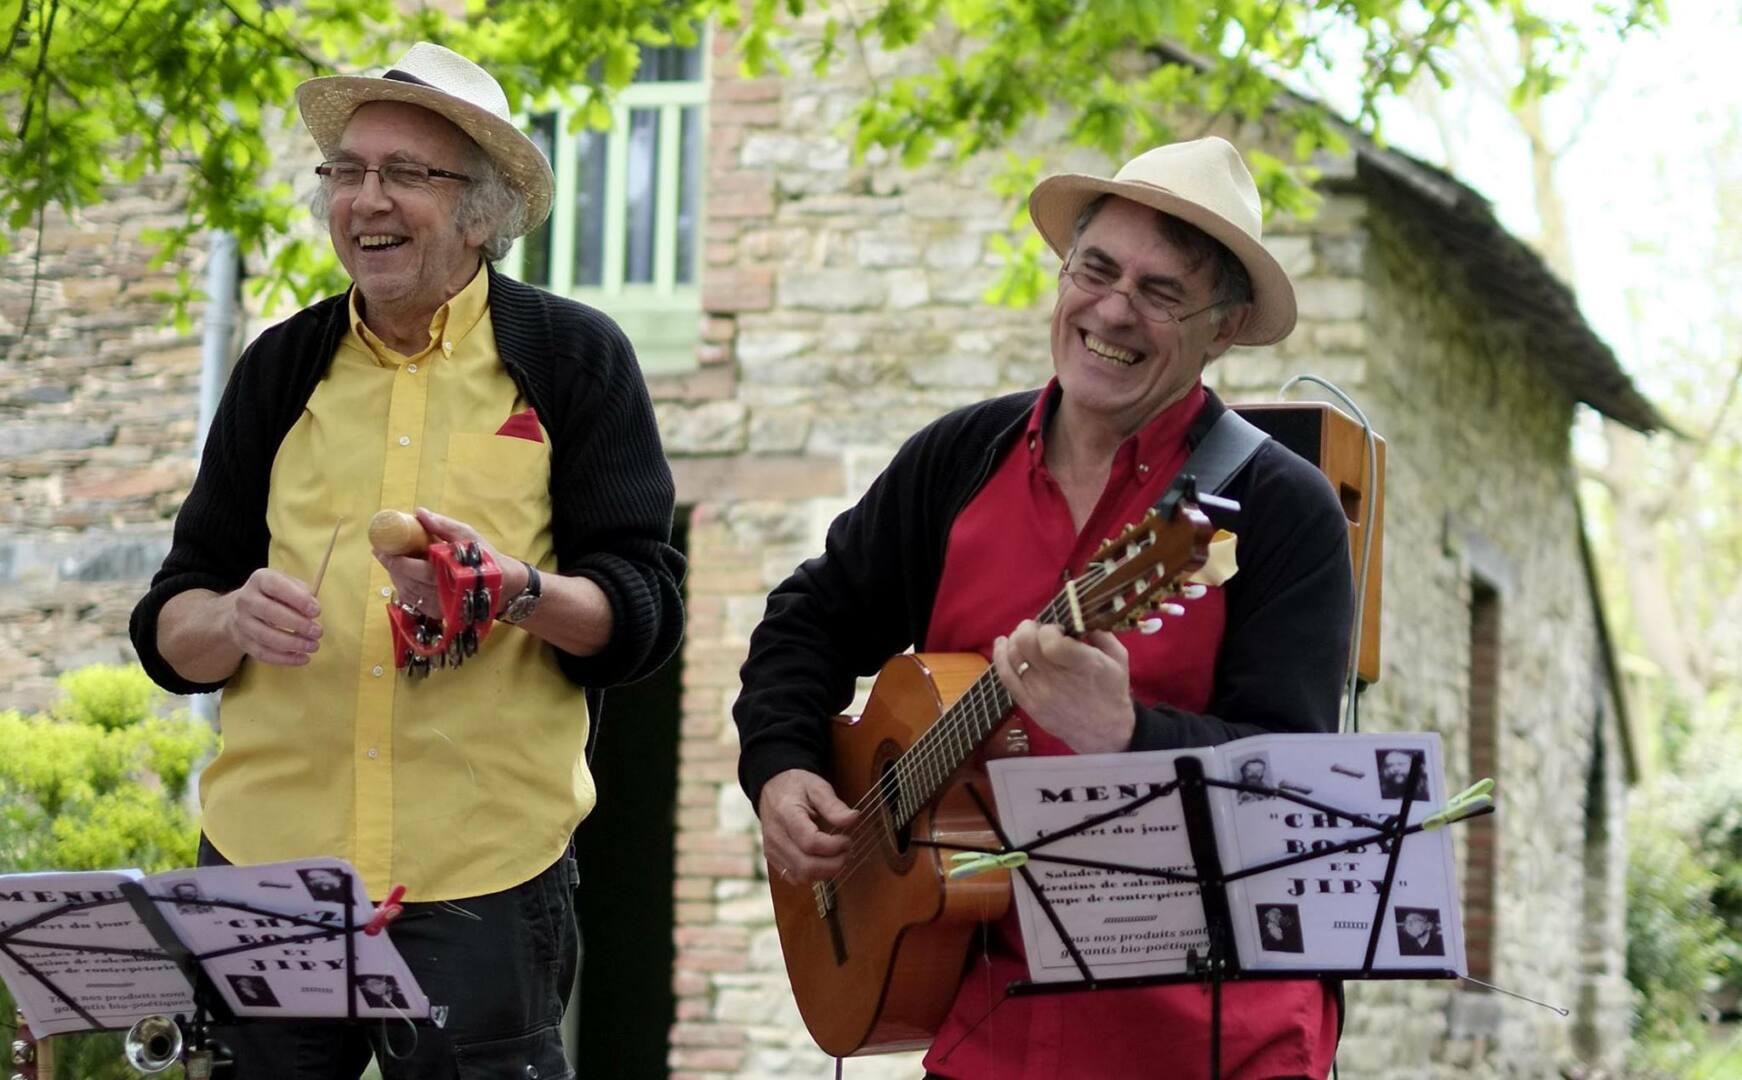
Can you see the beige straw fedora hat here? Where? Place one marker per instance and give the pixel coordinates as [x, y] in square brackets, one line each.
[1203, 182]
[444, 82]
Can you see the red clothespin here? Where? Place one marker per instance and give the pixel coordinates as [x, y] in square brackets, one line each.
[389, 910]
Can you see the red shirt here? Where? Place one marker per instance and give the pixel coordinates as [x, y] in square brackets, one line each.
[1008, 554]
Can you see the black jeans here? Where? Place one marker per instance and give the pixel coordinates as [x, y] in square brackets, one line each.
[502, 965]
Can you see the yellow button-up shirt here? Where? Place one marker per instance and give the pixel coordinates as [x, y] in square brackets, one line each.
[465, 783]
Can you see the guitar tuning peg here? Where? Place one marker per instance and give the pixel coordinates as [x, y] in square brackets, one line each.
[1171, 609]
[1194, 592]
[1148, 626]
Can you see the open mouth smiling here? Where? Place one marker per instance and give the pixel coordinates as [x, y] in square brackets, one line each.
[380, 241]
[1108, 351]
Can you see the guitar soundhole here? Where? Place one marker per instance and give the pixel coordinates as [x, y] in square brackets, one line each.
[900, 832]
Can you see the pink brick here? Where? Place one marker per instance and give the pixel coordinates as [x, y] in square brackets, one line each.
[711, 937]
[746, 288]
[706, 1035]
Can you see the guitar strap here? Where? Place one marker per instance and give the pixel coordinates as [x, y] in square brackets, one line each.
[1220, 454]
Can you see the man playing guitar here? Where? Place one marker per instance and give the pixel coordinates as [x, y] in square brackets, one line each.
[973, 526]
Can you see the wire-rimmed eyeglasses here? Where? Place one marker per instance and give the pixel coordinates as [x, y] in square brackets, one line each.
[1147, 304]
[405, 175]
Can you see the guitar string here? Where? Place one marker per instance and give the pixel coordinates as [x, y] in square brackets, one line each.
[977, 712]
[938, 743]
[933, 745]
[983, 706]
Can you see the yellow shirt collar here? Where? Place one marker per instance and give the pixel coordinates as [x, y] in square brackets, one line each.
[448, 326]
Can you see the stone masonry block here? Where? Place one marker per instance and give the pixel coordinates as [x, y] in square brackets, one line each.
[1331, 298]
[832, 290]
[747, 288]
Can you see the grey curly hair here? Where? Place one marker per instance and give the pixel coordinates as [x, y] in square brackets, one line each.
[489, 200]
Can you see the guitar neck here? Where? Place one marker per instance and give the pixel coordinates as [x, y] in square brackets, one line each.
[921, 772]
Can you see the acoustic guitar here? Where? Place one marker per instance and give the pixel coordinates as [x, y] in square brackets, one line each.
[875, 953]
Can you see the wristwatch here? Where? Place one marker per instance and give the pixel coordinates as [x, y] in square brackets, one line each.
[522, 606]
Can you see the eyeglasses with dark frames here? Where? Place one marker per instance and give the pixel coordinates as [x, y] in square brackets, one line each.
[405, 175]
[1147, 304]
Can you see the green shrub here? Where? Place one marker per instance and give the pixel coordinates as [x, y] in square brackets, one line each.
[1684, 917]
[1675, 940]
[98, 782]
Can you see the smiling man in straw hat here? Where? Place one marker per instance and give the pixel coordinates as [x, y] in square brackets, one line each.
[523, 419]
[965, 536]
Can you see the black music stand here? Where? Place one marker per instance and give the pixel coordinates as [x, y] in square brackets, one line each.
[1220, 961]
[209, 1006]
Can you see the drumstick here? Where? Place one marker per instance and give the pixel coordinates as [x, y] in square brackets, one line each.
[315, 589]
[394, 532]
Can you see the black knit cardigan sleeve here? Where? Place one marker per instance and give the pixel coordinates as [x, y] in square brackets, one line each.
[612, 494]
[867, 597]
[220, 532]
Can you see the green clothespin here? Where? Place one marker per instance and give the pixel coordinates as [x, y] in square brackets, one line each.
[1463, 804]
[969, 863]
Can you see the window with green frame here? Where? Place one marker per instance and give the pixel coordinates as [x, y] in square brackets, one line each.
[624, 234]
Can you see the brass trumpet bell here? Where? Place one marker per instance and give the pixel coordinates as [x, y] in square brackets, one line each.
[153, 1044]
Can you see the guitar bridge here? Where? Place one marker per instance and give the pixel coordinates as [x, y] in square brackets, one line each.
[824, 893]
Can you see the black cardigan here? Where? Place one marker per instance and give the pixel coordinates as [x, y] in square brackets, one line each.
[869, 596]
[610, 486]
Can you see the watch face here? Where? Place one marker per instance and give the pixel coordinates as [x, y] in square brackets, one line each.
[521, 607]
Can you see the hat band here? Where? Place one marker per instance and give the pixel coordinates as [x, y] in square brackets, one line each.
[399, 76]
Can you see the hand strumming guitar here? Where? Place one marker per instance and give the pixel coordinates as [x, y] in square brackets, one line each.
[803, 823]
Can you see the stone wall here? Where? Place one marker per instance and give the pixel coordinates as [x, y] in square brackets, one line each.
[99, 398]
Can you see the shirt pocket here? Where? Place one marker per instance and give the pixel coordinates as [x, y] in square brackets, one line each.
[500, 486]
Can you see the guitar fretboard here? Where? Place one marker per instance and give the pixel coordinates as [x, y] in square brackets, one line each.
[920, 773]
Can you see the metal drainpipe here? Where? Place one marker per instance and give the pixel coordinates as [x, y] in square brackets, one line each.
[215, 361]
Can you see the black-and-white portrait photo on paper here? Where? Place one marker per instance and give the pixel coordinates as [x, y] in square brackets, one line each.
[1279, 928]
[1418, 932]
[253, 990]
[1394, 768]
[188, 899]
[327, 884]
[380, 991]
[1254, 769]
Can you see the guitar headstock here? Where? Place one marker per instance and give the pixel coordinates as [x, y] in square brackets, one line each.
[1148, 562]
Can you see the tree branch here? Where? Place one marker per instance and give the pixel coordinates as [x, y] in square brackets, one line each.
[287, 44]
[17, 32]
[36, 78]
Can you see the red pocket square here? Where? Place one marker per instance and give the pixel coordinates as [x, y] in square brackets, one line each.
[522, 425]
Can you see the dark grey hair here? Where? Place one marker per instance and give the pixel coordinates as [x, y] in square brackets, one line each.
[1230, 283]
[489, 200]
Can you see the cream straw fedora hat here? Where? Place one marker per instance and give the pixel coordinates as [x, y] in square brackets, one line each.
[444, 82]
[1203, 182]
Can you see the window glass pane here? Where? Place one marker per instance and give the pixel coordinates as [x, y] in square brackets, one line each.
[689, 185]
[590, 207]
[670, 63]
[642, 191]
[535, 247]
